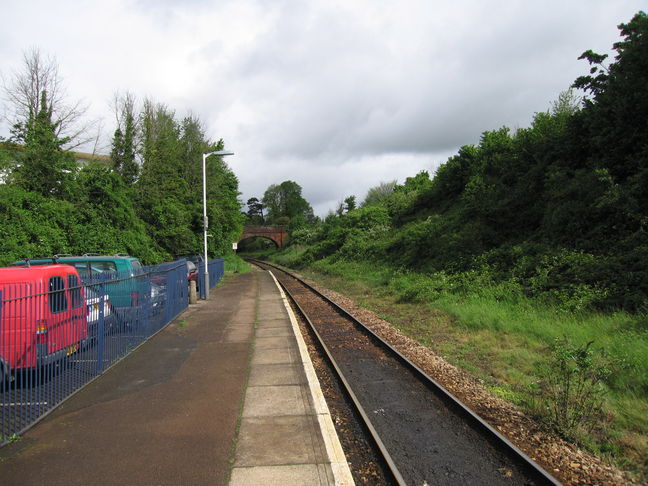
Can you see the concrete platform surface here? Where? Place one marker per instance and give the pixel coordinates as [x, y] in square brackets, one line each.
[226, 394]
[286, 433]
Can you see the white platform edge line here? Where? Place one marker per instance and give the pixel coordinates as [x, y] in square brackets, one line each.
[339, 464]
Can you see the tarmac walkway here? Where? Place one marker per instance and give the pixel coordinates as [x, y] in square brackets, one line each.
[226, 394]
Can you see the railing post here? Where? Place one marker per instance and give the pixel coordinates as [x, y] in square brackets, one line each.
[201, 275]
[100, 330]
[146, 305]
[183, 302]
[170, 285]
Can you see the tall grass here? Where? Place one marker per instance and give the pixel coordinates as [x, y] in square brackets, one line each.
[539, 323]
[234, 263]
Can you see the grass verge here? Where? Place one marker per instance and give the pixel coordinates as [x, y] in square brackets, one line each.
[235, 264]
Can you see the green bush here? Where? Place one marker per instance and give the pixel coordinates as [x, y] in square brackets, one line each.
[306, 235]
[366, 218]
[573, 385]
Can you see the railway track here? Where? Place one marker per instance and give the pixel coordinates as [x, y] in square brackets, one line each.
[426, 435]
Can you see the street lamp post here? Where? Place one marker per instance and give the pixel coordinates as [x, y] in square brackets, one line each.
[220, 153]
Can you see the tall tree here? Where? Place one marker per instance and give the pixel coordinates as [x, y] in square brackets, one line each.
[350, 203]
[129, 167]
[615, 118]
[44, 166]
[125, 121]
[161, 191]
[285, 201]
[169, 189]
[192, 145]
[23, 95]
[123, 149]
[255, 211]
[117, 150]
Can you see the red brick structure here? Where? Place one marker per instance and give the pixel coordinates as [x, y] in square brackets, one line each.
[278, 234]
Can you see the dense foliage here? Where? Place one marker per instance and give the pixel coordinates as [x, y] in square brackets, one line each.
[284, 204]
[558, 210]
[150, 208]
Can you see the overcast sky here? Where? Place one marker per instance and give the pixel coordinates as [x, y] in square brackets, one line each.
[337, 96]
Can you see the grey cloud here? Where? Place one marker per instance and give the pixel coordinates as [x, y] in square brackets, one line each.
[329, 92]
[336, 90]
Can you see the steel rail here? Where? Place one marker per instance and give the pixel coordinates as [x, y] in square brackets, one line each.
[350, 393]
[496, 438]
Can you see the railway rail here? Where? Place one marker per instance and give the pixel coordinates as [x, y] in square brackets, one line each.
[425, 434]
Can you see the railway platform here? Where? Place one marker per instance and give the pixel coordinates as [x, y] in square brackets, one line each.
[224, 395]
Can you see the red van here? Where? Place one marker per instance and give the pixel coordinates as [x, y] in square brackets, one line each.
[43, 316]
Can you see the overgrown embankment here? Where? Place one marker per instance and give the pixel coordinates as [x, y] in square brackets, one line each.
[525, 257]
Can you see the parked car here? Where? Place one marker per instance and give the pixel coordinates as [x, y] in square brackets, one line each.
[43, 317]
[127, 284]
[158, 295]
[160, 278]
[93, 304]
[196, 259]
[192, 271]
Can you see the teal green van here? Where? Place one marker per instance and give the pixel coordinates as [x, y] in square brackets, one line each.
[127, 286]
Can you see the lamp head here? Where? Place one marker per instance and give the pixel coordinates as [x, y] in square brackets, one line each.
[220, 153]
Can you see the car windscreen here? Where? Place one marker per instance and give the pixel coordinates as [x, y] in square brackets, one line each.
[137, 267]
[103, 267]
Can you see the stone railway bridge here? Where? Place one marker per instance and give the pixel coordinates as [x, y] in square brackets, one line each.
[277, 234]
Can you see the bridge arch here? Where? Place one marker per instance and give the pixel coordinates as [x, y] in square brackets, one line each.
[278, 234]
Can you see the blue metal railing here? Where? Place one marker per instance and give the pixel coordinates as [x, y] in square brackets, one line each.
[216, 272]
[54, 340]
